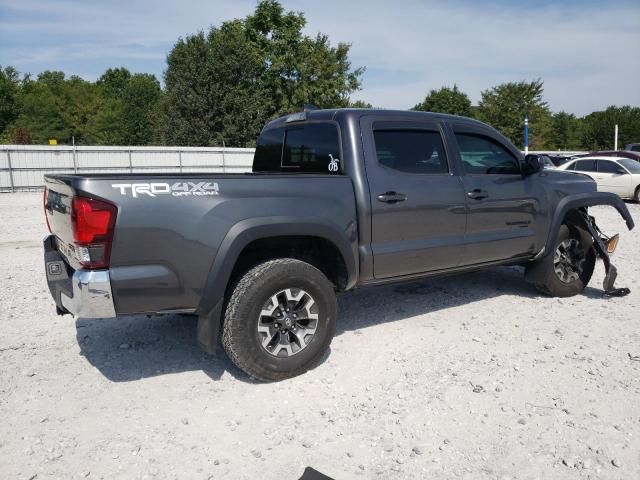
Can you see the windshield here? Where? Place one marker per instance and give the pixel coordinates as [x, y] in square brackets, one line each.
[631, 165]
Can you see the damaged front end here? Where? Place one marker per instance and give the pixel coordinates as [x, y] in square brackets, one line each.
[572, 211]
[604, 247]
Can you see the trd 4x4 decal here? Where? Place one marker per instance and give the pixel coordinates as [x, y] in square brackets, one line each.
[179, 189]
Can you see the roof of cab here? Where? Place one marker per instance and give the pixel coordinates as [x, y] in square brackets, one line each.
[334, 113]
[601, 157]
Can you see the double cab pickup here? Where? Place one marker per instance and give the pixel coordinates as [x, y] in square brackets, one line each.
[337, 199]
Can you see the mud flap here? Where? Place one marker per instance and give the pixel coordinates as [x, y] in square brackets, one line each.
[611, 273]
[209, 329]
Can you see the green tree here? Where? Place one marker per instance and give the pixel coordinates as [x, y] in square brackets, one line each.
[129, 104]
[9, 97]
[505, 106]
[56, 107]
[360, 104]
[565, 132]
[598, 127]
[224, 85]
[300, 69]
[114, 81]
[213, 89]
[140, 97]
[446, 100]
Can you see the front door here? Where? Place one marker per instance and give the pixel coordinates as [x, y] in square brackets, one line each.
[611, 177]
[417, 202]
[503, 207]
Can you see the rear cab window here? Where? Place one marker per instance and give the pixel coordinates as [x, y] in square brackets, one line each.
[312, 147]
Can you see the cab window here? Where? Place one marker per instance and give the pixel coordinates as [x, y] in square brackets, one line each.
[411, 151]
[312, 147]
[301, 148]
[484, 155]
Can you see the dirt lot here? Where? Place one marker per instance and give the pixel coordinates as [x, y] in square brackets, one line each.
[473, 376]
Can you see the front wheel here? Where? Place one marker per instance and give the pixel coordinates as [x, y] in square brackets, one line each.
[568, 270]
[280, 319]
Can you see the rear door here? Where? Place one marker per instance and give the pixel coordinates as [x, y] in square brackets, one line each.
[417, 201]
[504, 209]
[611, 177]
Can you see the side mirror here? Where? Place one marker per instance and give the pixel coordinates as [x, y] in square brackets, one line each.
[620, 171]
[532, 164]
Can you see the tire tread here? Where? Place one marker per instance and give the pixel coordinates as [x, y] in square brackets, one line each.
[230, 341]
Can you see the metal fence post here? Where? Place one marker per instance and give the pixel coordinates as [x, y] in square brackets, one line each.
[130, 163]
[180, 159]
[11, 184]
[224, 163]
[75, 160]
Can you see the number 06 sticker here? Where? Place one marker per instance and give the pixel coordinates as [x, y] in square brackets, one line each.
[333, 164]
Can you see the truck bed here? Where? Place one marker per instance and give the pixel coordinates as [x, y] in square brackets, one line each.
[170, 229]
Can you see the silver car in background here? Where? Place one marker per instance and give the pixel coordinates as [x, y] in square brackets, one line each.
[612, 174]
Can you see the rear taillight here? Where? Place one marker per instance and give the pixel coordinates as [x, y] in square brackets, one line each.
[44, 204]
[93, 224]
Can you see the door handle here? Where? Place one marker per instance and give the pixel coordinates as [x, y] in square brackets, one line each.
[477, 194]
[392, 197]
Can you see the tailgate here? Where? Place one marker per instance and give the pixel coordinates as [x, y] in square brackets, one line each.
[57, 205]
[81, 225]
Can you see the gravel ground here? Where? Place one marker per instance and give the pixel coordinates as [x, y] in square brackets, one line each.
[473, 376]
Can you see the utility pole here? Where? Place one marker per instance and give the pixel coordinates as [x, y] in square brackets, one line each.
[615, 138]
[526, 134]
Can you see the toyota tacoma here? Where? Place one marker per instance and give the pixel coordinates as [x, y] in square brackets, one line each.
[337, 199]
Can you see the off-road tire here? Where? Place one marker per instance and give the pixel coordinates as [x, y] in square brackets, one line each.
[240, 337]
[548, 281]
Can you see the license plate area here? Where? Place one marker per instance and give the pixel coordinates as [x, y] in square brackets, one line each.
[58, 272]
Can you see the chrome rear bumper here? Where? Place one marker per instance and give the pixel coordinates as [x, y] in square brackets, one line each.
[92, 297]
[83, 293]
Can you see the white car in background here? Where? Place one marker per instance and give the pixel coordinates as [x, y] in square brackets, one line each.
[612, 174]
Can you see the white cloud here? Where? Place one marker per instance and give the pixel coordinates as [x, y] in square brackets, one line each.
[587, 53]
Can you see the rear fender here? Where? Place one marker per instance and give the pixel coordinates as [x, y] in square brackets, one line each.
[242, 234]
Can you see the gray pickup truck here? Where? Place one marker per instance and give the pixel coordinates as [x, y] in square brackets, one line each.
[337, 199]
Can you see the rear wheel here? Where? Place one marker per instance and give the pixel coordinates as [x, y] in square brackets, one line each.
[568, 270]
[280, 319]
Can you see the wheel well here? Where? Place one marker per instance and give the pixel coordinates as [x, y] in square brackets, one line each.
[575, 218]
[317, 251]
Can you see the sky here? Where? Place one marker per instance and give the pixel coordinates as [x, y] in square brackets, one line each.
[587, 52]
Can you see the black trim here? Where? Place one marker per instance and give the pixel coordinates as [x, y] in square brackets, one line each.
[580, 200]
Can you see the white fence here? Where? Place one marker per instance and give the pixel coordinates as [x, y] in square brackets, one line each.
[23, 166]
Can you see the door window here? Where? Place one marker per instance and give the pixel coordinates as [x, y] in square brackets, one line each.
[605, 166]
[483, 155]
[586, 165]
[411, 151]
